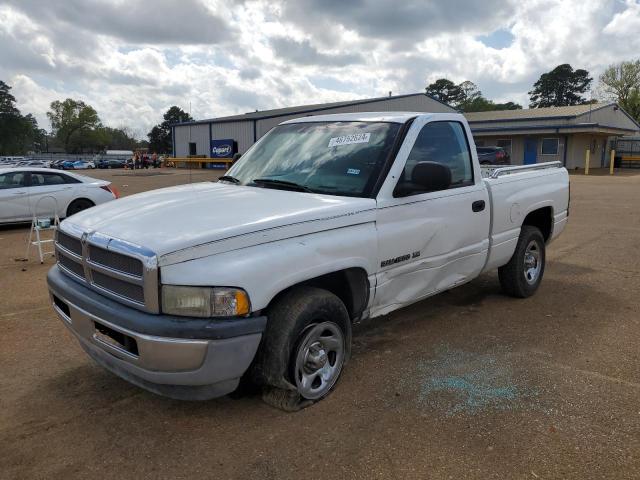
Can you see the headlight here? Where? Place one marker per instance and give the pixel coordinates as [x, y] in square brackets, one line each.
[204, 301]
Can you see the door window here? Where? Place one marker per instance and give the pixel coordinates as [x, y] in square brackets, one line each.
[444, 143]
[12, 180]
[39, 179]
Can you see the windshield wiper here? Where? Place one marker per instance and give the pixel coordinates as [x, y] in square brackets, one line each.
[229, 178]
[272, 182]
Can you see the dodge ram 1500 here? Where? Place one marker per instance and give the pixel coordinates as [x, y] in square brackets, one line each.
[325, 221]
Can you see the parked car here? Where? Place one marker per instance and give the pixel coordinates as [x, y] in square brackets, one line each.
[111, 163]
[68, 164]
[82, 165]
[34, 163]
[325, 221]
[57, 164]
[493, 156]
[21, 189]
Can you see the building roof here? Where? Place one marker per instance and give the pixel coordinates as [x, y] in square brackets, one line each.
[279, 112]
[534, 113]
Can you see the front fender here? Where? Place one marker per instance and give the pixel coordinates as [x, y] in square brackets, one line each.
[267, 269]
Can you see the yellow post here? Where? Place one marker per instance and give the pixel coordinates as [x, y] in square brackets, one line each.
[586, 161]
[612, 161]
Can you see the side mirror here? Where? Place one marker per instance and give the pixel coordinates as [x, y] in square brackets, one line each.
[236, 157]
[426, 177]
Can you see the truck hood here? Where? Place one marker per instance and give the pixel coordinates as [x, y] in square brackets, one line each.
[192, 221]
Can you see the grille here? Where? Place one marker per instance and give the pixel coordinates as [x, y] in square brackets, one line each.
[116, 261]
[71, 265]
[119, 287]
[70, 243]
[125, 272]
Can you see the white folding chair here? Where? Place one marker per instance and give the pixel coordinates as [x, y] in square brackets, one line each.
[41, 224]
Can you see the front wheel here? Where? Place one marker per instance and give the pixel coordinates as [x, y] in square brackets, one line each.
[521, 277]
[304, 349]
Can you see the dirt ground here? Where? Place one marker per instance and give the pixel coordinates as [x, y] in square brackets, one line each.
[468, 384]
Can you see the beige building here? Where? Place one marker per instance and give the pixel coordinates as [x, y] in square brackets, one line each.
[556, 133]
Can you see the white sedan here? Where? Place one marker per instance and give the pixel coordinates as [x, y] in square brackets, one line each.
[42, 192]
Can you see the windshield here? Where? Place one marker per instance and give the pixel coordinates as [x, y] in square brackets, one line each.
[336, 158]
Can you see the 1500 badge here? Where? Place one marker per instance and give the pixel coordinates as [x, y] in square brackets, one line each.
[400, 259]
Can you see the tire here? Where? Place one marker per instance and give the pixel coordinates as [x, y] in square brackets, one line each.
[304, 348]
[78, 205]
[521, 277]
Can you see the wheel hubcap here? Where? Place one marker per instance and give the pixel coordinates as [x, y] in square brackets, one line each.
[319, 359]
[532, 262]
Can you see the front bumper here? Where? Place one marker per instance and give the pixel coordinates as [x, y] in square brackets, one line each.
[193, 359]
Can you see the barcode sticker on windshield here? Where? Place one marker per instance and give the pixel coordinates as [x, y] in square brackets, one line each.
[349, 139]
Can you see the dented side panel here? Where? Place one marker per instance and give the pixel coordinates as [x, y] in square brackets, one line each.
[434, 243]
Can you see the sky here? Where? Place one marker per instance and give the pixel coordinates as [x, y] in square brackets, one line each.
[133, 59]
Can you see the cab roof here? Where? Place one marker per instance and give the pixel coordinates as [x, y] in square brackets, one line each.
[393, 117]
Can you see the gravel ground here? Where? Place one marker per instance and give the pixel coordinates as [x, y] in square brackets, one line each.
[468, 384]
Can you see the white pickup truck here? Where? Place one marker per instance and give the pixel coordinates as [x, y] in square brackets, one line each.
[325, 221]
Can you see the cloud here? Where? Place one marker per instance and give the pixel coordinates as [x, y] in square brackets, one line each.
[136, 21]
[303, 53]
[394, 20]
[133, 59]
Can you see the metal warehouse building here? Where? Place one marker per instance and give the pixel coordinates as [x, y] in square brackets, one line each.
[556, 133]
[530, 136]
[201, 138]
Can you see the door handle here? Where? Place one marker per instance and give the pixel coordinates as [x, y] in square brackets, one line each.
[478, 205]
[20, 193]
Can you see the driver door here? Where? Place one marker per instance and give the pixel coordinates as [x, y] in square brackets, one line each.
[430, 241]
[14, 202]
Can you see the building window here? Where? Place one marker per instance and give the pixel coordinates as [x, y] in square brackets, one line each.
[506, 144]
[550, 146]
[192, 148]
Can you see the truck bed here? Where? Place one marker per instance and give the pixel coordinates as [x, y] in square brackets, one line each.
[516, 191]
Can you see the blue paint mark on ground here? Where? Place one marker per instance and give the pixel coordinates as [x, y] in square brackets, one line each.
[464, 382]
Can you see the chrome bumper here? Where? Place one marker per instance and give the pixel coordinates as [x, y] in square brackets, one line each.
[180, 368]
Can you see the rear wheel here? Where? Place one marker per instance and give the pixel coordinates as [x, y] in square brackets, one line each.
[79, 205]
[304, 349]
[521, 277]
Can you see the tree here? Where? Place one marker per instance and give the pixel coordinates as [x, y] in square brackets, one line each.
[632, 104]
[18, 133]
[470, 91]
[160, 136]
[622, 82]
[481, 104]
[7, 101]
[446, 91]
[465, 96]
[560, 87]
[72, 122]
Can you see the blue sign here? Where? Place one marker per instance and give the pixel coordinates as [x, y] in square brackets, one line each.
[222, 148]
